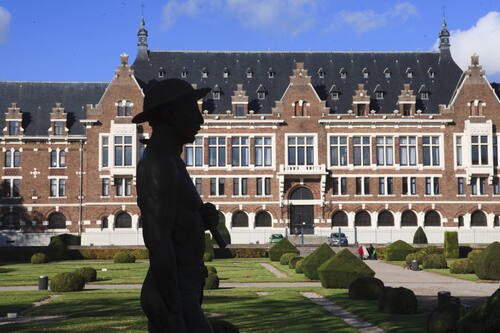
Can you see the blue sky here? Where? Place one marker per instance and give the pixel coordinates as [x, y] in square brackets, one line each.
[56, 40]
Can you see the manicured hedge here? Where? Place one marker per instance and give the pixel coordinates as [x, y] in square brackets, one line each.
[461, 266]
[106, 253]
[342, 269]
[422, 253]
[483, 318]
[315, 259]
[487, 265]
[211, 282]
[397, 251]
[366, 288]
[419, 237]
[39, 258]
[298, 267]
[397, 300]
[283, 246]
[434, 261]
[243, 252]
[20, 253]
[67, 281]
[473, 256]
[57, 250]
[285, 258]
[123, 257]
[445, 318]
[451, 244]
[209, 254]
[293, 261]
[88, 273]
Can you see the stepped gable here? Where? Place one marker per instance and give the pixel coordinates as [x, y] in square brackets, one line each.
[36, 100]
[431, 72]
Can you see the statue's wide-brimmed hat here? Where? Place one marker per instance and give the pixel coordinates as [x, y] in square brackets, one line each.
[165, 93]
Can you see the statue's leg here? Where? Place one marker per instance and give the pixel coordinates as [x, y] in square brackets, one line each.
[194, 316]
[153, 306]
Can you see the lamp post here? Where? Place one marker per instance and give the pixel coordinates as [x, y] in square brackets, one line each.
[302, 232]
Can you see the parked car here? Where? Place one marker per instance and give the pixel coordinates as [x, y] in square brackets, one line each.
[338, 239]
[275, 238]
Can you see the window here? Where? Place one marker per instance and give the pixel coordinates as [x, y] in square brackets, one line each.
[408, 219]
[263, 146]
[413, 185]
[300, 150]
[496, 188]
[436, 185]
[58, 159]
[193, 152]
[58, 128]
[385, 219]
[161, 73]
[13, 127]
[216, 95]
[183, 74]
[460, 183]
[495, 151]
[482, 185]
[362, 219]
[366, 183]
[57, 221]
[261, 95]
[432, 219]
[458, 151]
[53, 158]
[473, 183]
[240, 186]
[267, 186]
[358, 185]
[249, 73]
[225, 73]
[409, 185]
[365, 74]
[431, 185]
[479, 150]
[123, 187]
[478, 219]
[387, 74]
[335, 186]
[240, 110]
[360, 109]
[221, 186]
[123, 150]
[406, 109]
[12, 159]
[339, 219]
[240, 147]
[404, 186]
[105, 187]
[239, 220]
[362, 185]
[384, 147]
[424, 95]
[11, 187]
[197, 184]
[427, 185]
[430, 150]
[338, 150]
[263, 219]
[410, 74]
[361, 150]
[213, 186]
[407, 150]
[105, 150]
[343, 75]
[123, 220]
[217, 151]
[343, 185]
[204, 73]
[270, 74]
[381, 185]
[104, 222]
[216, 186]
[57, 187]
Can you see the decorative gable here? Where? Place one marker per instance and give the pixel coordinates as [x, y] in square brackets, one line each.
[239, 101]
[361, 101]
[13, 121]
[58, 119]
[407, 101]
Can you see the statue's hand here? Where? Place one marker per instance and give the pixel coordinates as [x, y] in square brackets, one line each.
[210, 215]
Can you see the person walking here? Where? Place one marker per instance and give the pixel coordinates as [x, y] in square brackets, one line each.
[360, 252]
[371, 252]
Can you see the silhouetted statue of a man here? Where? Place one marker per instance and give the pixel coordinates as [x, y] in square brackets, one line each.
[174, 217]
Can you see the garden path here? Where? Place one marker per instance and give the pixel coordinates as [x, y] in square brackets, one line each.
[274, 270]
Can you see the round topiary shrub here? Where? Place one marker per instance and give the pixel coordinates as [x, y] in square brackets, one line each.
[39, 258]
[88, 273]
[444, 318]
[397, 251]
[315, 259]
[474, 255]
[68, 281]
[211, 282]
[209, 254]
[342, 269]
[397, 300]
[487, 264]
[461, 266]
[222, 326]
[434, 261]
[285, 258]
[366, 288]
[280, 248]
[293, 262]
[211, 270]
[56, 249]
[484, 318]
[122, 257]
[419, 237]
[298, 267]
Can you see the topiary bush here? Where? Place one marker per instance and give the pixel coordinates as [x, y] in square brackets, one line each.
[285, 258]
[211, 282]
[209, 254]
[451, 244]
[397, 251]
[421, 254]
[222, 326]
[211, 270]
[397, 300]
[280, 248]
[123, 257]
[67, 281]
[57, 249]
[366, 288]
[484, 318]
[461, 266]
[293, 261]
[298, 267]
[342, 269]
[487, 264]
[88, 273]
[444, 318]
[434, 261]
[474, 255]
[315, 259]
[39, 258]
[224, 232]
[419, 237]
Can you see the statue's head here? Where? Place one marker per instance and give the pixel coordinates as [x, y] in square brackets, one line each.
[173, 103]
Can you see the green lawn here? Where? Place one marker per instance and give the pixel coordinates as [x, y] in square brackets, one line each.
[15, 301]
[443, 271]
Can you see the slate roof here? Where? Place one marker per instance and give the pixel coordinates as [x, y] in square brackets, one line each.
[36, 100]
[439, 88]
[496, 87]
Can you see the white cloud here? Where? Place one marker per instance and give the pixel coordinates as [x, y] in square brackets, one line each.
[174, 9]
[4, 24]
[483, 39]
[363, 21]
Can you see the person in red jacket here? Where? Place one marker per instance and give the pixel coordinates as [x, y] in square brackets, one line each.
[361, 252]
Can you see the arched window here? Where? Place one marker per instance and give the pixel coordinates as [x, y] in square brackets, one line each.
[301, 193]
[408, 219]
[263, 219]
[362, 219]
[304, 111]
[11, 221]
[385, 219]
[57, 221]
[104, 222]
[239, 220]
[127, 108]
[432, 219]
[339, 219]
[496, 221]
[298, 109]
[461, 221]
[478, 219]
[123, 220]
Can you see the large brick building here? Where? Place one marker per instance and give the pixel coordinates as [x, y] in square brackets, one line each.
[377, 142]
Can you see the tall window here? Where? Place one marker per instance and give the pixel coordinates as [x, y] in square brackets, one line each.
[105, 150]
[431, 185]
[123, 187]
[430, 150]
[381, 185]
[123, 150]
[239, 110]
[240, 186]
[358, 186]
[343, 185]
[427, 185]
[263, 146]
[436, 185]
[193, 152]
[385, 186]
[496, 188]
[384, 150]
[53, 158]
[338, 150]
[197, 184]
[13, 127]
[217, 151]
[12, 159]
[263, 186]
[361, 150]
[105, 187]
[360, 109]
[57, 187]
[11, 187]
[217, 186]
[123, 108]
[458, 147]
[406, 109]
[473, 183]
[407, 150]
[495, 151]
[460, 184]
[58, 128]
[300, 150]
[362, 185]
[239, 150]
[482, 185]
[413, 185]
[479, 150]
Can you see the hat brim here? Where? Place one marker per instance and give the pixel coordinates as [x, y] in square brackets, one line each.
[147, 115]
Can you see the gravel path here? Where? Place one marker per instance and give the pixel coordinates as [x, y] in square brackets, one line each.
[274, 270]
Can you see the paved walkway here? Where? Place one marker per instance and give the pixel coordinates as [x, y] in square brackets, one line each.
[274, 270]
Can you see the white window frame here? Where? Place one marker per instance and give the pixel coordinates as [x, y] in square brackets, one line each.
[385, 146]
[240, 147]
[240, 181]
[217, 187]
[217, 147]
[479, 145]
[263, 183]
[11, 179]
[338, 145]
[385, 186]
[431, 145]
[407, 146]
[314, 145]
[58, 186]
[409, 186]
[264, 147]
[123, 181]
[58, 158]
[12, 158]
[361, 145]
[194, 146]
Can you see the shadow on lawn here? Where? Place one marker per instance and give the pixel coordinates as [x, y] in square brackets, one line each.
[6, 270]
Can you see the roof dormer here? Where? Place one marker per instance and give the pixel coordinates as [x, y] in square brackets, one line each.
[361, 101]
[58, 119]
[407, 101]
[225, 72]
[261, 92]
[239, 101]
[13, 121]
[321, 73]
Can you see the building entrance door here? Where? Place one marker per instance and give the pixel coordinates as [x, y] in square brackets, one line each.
[302, 216]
